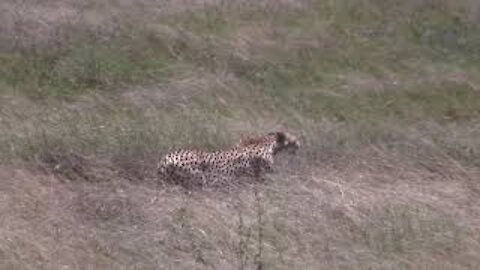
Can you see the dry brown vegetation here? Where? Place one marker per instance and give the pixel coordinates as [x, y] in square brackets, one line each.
[384, 94]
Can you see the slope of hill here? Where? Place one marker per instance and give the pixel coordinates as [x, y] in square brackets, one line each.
[384, 94]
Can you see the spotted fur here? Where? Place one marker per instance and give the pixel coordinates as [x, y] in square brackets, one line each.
[250, 157]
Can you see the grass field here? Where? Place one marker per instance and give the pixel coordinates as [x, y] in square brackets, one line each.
[384, 94]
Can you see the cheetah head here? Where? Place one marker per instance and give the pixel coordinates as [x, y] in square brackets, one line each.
[285, 142]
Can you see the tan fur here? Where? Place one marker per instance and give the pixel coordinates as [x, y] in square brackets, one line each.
[250, 157]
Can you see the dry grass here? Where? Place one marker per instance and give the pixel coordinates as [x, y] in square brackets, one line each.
[371, 214]
[384, 95]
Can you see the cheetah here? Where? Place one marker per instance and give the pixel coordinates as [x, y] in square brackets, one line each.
[251, 157]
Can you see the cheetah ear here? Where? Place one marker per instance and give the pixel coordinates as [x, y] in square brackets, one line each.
[281, 138]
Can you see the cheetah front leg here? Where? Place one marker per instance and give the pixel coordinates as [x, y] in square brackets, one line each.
[260, 167]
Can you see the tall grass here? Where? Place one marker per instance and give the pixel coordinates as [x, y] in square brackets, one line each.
[383, 94]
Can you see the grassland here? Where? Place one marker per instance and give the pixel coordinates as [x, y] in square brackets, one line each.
[385, 95]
